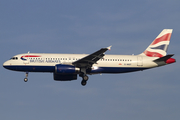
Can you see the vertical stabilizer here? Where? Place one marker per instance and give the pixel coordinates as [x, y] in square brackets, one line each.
[159, 46]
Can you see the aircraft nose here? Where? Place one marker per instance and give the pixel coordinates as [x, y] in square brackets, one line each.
[5, 64]
[8, 65]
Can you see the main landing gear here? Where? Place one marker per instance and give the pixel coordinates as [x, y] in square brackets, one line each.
[26, 79]
[84, 77]
[84, 81]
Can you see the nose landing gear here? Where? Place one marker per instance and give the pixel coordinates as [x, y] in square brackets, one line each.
[26, 79]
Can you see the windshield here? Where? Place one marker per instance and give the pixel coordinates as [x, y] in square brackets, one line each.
[14, 58]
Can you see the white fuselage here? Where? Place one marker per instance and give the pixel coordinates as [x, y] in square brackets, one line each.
[38, 62]
[66, 67]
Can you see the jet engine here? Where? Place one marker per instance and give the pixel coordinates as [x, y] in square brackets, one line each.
[66, 69]
[65, 72]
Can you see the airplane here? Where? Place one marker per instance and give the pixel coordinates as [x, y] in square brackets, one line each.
[66, 67]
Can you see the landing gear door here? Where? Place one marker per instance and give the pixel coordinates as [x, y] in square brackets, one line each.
[139, 61]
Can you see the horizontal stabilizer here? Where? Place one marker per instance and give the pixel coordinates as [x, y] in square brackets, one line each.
[164, 58]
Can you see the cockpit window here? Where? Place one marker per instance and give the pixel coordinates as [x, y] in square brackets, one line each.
[14, 58]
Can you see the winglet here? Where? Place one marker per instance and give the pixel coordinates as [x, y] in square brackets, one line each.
[109, 48]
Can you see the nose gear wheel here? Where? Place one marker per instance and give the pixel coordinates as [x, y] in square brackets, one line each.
[26, 79]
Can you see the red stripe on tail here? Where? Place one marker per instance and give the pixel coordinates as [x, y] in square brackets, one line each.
[152, 54]
[165, 37]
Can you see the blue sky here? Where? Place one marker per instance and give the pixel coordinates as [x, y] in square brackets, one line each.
[68, 26]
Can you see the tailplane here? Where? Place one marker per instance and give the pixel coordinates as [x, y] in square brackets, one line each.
[159, 46]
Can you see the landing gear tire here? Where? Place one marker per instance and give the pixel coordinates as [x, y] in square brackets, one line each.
[25, 79]
[85, 77]
[83, 82]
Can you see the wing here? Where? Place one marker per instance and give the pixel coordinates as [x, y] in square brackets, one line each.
[91, 59]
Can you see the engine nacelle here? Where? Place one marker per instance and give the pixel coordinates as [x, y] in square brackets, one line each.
[66, 69]
[65, 77]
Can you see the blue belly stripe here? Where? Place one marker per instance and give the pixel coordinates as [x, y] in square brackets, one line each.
[32, 68]
[52, 69]
[116, 69]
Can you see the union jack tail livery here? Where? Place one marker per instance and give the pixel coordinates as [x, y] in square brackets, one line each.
[159, 46]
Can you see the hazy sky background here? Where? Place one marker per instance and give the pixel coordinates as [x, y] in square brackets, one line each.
[69, 26]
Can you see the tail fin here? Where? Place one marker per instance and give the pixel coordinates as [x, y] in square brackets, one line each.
[159, 46]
